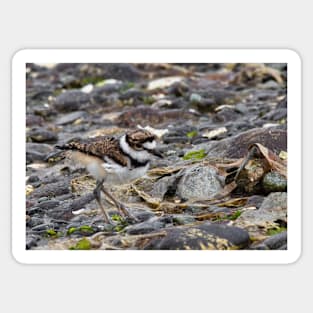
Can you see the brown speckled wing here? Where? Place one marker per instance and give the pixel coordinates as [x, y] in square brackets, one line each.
[98, 146]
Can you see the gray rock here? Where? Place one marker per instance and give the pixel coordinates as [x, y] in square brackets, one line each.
[70, 117]
[271, 214]
[199, 182]
[275, 200]
[163, 185]
[42, 135]
[71, 100]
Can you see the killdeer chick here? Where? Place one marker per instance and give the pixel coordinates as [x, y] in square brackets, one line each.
[114, 161]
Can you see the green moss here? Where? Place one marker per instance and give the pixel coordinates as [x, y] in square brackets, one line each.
[126, 87]
[83, 244]
[148, 100]
[275, 231]
[71, 230]
[121, 223]
[196, 155]
[84, 229]
[234, 216]
[94, 80]
[51, 232]
[116, 218]
[192, 134]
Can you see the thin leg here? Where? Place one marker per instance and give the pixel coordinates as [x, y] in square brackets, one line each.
[97, 194]
[119, 205]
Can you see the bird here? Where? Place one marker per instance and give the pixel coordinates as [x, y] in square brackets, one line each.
[112, 161]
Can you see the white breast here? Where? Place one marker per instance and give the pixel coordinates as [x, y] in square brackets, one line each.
[117, 174]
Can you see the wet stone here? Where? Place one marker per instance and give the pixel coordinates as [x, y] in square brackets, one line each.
[205, 236]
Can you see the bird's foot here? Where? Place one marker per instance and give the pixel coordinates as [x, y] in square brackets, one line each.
[129, 217]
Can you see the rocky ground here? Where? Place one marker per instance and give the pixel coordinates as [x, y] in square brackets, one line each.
[223, 133]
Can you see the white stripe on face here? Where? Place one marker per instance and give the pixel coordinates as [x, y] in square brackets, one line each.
[140, 156]
[149, 145]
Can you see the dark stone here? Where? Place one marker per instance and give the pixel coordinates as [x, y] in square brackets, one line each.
[65, 209]
[33, 120]
[135, 94]
[148, 226]
[42, 135]
[276, 115]
[41, 228]
[37, 151]
[142, 215]
[49, 204]
[255, 200]
[32, 179]
[237, 146]
[178, 134]
[104, 95]
[35, 221]
[282, 104]
[121, 71]
[226, 115]
[31, 241]
[276, 242]
[52, 190]
[71, 100]
[201, 237]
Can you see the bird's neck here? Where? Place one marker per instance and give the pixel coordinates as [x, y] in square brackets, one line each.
[137, 158]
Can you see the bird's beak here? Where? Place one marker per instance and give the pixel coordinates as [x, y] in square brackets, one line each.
[156, 153]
